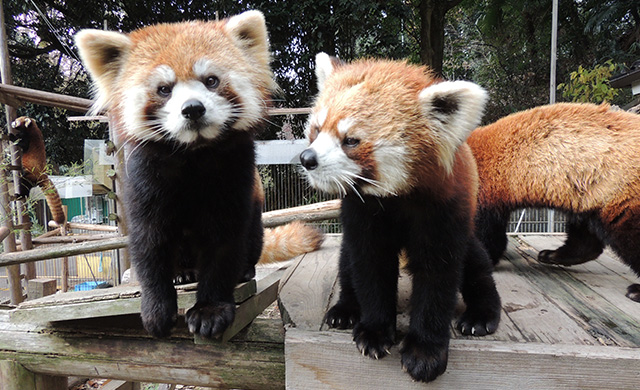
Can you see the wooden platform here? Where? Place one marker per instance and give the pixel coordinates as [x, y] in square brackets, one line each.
[562, 328]
[99, 334]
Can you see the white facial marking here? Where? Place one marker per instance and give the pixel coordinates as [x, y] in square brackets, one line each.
[392, 171]
[250, 111]
[218, 111]
[321, 117]
[336, 172]
[135, 124]
[344, 125]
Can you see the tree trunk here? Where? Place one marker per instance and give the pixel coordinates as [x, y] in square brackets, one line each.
[432, 20]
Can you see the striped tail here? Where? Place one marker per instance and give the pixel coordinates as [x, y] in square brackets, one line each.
[288, 241]
[53, 198]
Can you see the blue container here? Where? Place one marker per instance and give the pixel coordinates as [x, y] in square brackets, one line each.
[86, 286]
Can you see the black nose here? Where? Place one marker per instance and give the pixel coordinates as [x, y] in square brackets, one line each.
[193, 109]
[309, 159]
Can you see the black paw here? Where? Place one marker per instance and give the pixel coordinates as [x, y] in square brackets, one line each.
[633, 292]
[210, 320]
[158, 315]
[424, 361]
[186, 277]
[556, 257]
[374, 342]
[342, 316]
[248, 274]
[479, 322]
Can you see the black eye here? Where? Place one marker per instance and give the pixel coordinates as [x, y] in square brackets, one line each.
[351, 142]
[212, 82]
[164, 90]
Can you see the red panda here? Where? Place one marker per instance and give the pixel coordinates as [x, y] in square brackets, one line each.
[188, 98]
[34, 165]
[579, 158]
[390, 138]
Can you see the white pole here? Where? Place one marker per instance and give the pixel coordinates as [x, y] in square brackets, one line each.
[554, 39]
[552, 83]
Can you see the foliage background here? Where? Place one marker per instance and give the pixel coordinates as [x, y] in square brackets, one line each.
[501, 44]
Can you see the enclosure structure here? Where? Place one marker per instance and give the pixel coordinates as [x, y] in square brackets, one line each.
[561, 328]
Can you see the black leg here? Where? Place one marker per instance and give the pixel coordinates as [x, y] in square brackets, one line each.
[214, 310]
[582, 245]
[435, 284]
[491, 230]
[154, 266]
[346, 313]
[482, 314]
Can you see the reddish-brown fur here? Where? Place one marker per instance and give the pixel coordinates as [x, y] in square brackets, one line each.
[582, 159]
[34, 163]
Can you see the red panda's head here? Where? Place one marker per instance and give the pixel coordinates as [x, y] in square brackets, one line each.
[182, 82]
[383, 127]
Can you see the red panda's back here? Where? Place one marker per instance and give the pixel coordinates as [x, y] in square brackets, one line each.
[571, 156]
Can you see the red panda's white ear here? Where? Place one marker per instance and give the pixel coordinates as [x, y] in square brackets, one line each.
[324, 68]
[103, 53]
[249, 30]
[454, 109]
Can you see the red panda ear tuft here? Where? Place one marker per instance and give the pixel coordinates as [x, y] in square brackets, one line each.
[249, 30]
[454, 109]
[103, 53]
[325, 65]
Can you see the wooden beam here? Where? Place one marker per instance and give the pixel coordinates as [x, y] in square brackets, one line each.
[86, 226]
[252, 360]
[62, 251]
[308, 213]
[319, 360]
[47, 98]
[14, 376]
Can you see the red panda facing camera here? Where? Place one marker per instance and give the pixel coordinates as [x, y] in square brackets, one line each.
[390, 138]
[188, 98]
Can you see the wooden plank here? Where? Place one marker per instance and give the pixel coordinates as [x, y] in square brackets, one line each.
[330, 360]
[13, 376]
[246, 362]
[112, 301]
[537, 316]
[607, 276]
[305, 292]
[605, 322]
[249, 309]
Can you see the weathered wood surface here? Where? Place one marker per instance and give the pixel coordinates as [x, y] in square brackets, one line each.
[120, 349]
[14, 376]
[98, 333]
[561, 328]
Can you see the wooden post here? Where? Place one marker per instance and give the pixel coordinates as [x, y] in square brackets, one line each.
[13, 272]
[13, 376]
[124, 262]
[65, 260]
